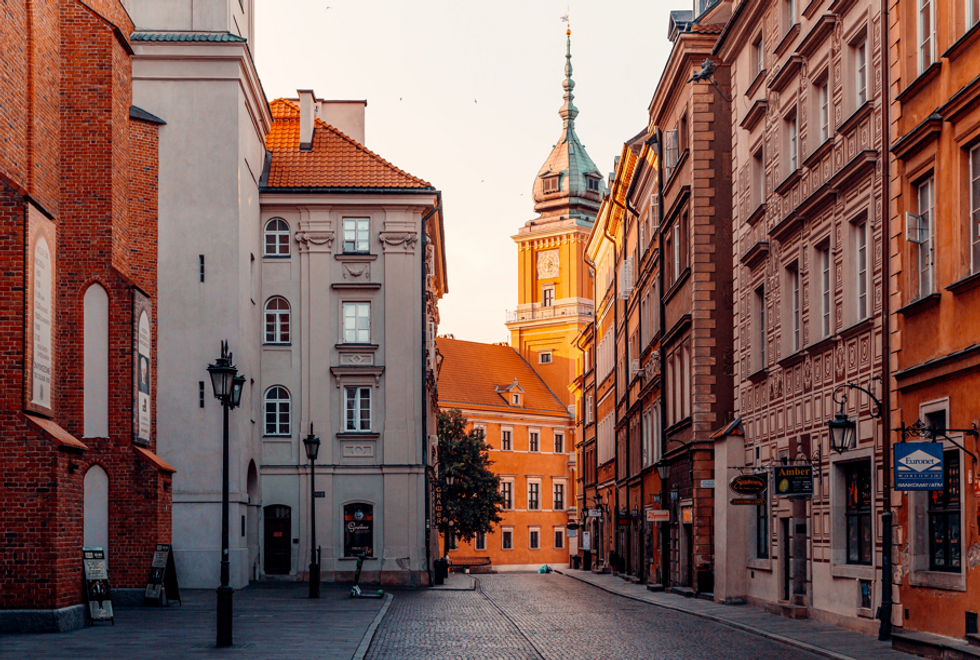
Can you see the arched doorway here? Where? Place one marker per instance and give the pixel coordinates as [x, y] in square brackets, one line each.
[96, 520]
[278, 546]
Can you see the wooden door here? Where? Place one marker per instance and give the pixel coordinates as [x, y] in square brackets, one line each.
[278, 546]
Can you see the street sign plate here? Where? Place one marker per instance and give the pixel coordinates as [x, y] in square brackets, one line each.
[707, 483]
[754, 501]
[594, 513]
[319, 494]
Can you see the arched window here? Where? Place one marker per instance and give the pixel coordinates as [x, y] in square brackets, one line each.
[277, 411]
[96, 363]
[276, 238]
[95, 531]
[277, 321]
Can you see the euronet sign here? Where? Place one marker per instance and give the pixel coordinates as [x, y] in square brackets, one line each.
[918, 465]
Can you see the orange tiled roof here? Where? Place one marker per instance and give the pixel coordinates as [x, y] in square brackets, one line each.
[711, 28]
[336, 160]
[471, 373]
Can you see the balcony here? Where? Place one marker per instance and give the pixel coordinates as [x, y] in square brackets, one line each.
[537, 312]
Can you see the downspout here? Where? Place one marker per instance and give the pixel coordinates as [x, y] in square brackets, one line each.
[664, 499]
[614, 523]
[595, 399]
[425, 395]
[885, 616]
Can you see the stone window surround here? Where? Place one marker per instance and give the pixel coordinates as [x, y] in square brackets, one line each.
[838, 524]
[504, 531]
[919, 573]
[371, 311]
[530, 531]
[534, 481]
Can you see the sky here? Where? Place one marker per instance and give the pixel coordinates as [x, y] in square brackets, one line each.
[465, 95]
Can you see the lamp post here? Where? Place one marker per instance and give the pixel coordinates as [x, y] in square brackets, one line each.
[312, 444]
[227, 386]
[450, 480]
[663, 470]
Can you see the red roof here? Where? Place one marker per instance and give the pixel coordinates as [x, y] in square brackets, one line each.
[335, 161]
[473, 375]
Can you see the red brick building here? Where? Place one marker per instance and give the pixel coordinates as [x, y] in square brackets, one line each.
[78, 200]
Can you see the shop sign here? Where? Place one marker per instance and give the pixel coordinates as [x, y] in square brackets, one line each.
[918, 465]
[656, 498]
[586, 540]
[594, 513]
[748, 484]
[793, 480]
[687, 515]
[707, 483]
[658, 515]
[358, 530]
[673, 496]
[748, 501]
[98, 593]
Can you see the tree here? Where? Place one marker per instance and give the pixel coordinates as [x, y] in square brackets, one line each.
[471, 504]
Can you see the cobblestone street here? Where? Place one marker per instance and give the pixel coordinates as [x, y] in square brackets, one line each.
[533, 616]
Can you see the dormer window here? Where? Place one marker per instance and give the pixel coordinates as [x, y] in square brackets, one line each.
[592, 183]
[551, 184]
[515, 399]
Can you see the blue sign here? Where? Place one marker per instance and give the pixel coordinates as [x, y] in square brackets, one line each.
[918, 465]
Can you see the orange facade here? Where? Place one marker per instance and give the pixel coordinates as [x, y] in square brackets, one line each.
[529, 431]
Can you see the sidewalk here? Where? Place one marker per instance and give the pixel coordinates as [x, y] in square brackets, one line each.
[820, 638]
[270, 619]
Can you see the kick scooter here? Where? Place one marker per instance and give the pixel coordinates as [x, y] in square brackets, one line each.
[355, 591]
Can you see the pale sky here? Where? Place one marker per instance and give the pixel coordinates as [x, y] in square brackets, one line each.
[466, 95]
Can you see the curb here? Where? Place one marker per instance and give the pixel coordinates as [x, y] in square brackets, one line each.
[365, 644]
[725, 622]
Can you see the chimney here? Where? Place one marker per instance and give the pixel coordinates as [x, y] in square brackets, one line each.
[346, 116]
[307, 111]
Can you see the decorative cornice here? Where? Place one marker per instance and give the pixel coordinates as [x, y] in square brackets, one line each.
[310, 240]
[398, 241]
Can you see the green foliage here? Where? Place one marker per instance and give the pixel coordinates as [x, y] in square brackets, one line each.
[474, 501]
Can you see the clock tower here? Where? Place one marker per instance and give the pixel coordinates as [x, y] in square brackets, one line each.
[554, 287]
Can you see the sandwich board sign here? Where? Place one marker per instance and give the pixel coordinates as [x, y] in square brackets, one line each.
[918, 465]
[162, 584]
[98, 593]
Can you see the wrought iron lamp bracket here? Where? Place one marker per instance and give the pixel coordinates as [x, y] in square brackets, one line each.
[919, 430]
[840, 397]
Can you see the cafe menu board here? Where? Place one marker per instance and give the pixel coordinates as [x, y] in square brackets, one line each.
[162, 585]
[98, 593]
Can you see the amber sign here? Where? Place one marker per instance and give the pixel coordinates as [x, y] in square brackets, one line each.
[793, 480]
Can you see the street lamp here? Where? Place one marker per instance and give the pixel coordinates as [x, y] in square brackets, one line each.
[227, 386]
[663, 468]
[842, 430]
[312, 444]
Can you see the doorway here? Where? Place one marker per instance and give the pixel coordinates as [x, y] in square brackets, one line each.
[278, 546]
[787, 561]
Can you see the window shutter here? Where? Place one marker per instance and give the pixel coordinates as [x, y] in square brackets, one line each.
[670, 155]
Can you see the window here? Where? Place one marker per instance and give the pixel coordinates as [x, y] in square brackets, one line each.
[533, 495]
[277, 321]
[544, 357]
[790, 13]
[276, 238]
[357, 409]
[592, 183]
[559, 538]
[551, 184]
[760, 327]
[972, 13]
[480, 429]
[507, 490]
[825, 291]
[559, 443]
[200, 265]
[534, 441]
[507, 539]
[761, 532]
[356, 233]
[453, 542]
[548, 296]
[860, 542]
[927, 34]
[277, 410]
[792, 144]
[758, 177]
[945, 546]
[589, 404]
[758, 57]
[481, 541]
[675, 239]
[559, 496]
[200, 394]
[534, 538]
[357, 323]
[974, 218]
[515, 399]
[823, 109]
[861, 254]
[926, 203]
[506, 437]
[795, 332]
[861, 73]
[671, 153]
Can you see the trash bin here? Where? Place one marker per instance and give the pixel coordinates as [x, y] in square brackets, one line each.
[576, 561]
[441, 570]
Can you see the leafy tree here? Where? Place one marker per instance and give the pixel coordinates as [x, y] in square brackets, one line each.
[472, 504]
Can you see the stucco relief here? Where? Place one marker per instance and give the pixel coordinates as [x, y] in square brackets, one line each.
[309, 241]
[356, 359]
[397, 241]
[357, 271]
[840, 358]
[358, 451]
[807, 374]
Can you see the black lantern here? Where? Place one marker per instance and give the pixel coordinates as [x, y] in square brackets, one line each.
[223, 374]
[237, 385]
[312, 444]
[842, 432]
[663, 468]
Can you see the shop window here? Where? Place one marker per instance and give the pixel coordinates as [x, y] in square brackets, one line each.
[945, 544]
[857, 510]
[761, 532]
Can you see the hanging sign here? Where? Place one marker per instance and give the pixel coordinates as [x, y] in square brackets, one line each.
[793, 480]
[749, 484]
[142, 358]
[748, 501]
[594, 513]
[40, 350]
[918, 465]
[658, 515]
[97, 589]
[162, 585]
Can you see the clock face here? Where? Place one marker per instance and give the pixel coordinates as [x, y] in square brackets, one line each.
[548, 264]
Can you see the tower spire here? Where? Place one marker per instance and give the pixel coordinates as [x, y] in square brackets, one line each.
[568, 111]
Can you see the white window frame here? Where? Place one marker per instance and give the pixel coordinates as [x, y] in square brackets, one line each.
[823, 108]
[972, 13]
[796, 311]
[531, 532]
[861, 72]
[555, 485]
[358, 425]
[357, 235]
[533, 481]
[507, 481]
[826, 291]
[760, 57]
[278, 321]
[862, 265]
[506, 533]
[791, 14]
[281, 401]
[925, 200]
[482, 427]
[545, 357]
[353, 315]
[556, 436]
[589, 405]
[537, 434]
[480, 542]
[510, 438]
[560, 533]
[974, 216]
[926, 23]
[278, 230]
[515, 399]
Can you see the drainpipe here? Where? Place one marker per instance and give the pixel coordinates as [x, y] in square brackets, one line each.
[425, 398]
[664, 494]
[885, 615]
